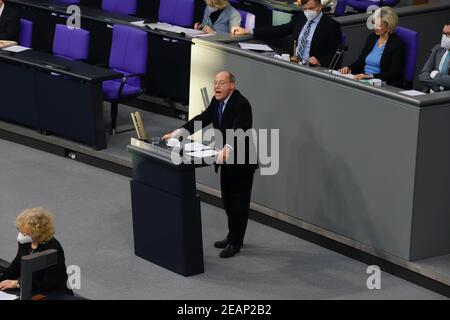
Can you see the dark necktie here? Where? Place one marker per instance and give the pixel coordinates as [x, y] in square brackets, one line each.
[220, 112]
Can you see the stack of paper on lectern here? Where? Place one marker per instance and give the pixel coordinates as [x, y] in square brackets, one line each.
[199, 150]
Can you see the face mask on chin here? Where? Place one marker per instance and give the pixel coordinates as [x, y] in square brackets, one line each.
[310, 14]
[22, 239]
[445, 42]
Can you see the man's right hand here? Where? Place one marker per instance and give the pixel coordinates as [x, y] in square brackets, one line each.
[236, 31]
[167, 136]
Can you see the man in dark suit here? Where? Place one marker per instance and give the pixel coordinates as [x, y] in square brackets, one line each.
[435, 74]
[9, 23]
[229, 110]
[317, 36]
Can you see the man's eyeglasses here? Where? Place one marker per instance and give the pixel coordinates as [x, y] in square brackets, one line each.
[219, 83]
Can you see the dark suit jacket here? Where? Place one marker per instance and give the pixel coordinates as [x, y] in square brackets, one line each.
[52, 279]
[392, 64]
[9, 24]
[237, 115]
[433, 62]
[326, 39]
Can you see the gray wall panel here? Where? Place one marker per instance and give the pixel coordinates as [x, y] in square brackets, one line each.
[431, 220]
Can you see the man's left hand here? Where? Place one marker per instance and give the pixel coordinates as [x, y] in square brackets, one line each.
[313, 61]
[223, 155]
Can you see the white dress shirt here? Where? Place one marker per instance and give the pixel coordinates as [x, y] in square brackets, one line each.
[1, 9]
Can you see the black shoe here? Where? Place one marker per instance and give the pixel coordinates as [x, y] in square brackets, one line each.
[229, 251]
[221, 244]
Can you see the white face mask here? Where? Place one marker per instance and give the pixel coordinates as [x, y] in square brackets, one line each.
[445, 42]
[23, 239]
[310, 14]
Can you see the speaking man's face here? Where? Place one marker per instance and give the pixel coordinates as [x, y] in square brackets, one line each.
[222, 86]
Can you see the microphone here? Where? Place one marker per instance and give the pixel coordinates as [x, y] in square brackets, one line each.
[337, 56]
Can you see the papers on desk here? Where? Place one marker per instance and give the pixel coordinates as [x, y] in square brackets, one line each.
[175, 29]
[7, 297]
[16, 49]
[202, 153]
[254, 46]
[412, 93]
[350, 76]
[140, 23]
[188, 147]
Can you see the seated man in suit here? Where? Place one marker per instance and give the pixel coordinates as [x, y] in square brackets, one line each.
[9, 23]
[435, 72]
[317, 36]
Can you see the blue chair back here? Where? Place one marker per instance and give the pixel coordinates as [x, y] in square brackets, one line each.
[120, 6]
[26, 33]
[179, 12]
[248, 19]
[340, 8]
[410, 38]
[71, 44]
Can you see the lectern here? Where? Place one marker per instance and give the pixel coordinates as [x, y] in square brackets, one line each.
[166, 210]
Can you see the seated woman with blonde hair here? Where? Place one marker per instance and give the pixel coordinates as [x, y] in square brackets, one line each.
[36, 234]
[219, 17]
[384, 54]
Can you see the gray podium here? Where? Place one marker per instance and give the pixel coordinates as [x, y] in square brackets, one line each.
[166, 210]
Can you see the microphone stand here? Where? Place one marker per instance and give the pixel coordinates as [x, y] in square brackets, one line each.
[339, 54]
[334, 61]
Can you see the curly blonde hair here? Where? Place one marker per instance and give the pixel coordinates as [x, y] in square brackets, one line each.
[40, 223]
[219, 4]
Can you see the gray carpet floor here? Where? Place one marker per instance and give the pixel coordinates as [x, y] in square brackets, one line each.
[93, 221]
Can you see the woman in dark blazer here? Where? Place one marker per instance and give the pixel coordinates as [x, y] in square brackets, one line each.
[384, 54]
[36, 234]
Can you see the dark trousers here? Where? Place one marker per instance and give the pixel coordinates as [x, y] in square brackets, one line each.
[236, 193]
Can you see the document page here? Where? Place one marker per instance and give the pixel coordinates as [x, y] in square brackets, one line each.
[6, 296]
[253, 46]
[202, 153]
[412, 93]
